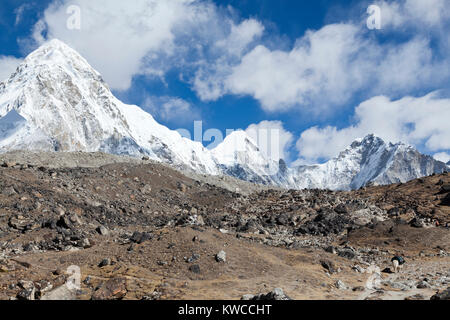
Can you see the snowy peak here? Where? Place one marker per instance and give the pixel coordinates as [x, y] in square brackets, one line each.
[56, 54]
[57, 91]
[368, 160]
[61, 96]
[237, 148]
[239, 156]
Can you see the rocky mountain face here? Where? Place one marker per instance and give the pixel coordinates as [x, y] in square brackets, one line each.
[55, 101]
[368, 160]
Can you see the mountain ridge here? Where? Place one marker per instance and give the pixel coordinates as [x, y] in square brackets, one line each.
[55, 101]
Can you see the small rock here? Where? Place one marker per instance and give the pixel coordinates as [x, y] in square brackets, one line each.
[182, 187]
[221, 256]
[415, 297]
[26, 284]
[341, 209]
[146, 189]
[85, 243]
[443, 295]
[27, 294]
[58, 272]
[140, 238]
[417, 223]
[347, 253]
[195, 268]
[103, 231]
[358, 268]
[8, 164]
[328, 265]
[105, 262]
[193, 258]
[9, 192]
[331, 249]
[358, 289]
[340, 285]
[423, 285]
[114, 289]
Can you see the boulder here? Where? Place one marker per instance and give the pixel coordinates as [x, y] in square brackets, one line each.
[443, 295]
[275, 295]
[114, 289]
[329, 266]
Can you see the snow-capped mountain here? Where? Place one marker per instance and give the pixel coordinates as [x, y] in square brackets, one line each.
[239, 156]
[55, 101]
[368, 160]
[65, 105]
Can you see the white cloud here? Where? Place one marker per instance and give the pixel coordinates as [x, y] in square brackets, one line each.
[413, 13]
[225, 53]
[442, 156]
[8, 65]
[148, 37]
[418, 121]
[170, 109]
[273, 140]
[115, 36]
[327, 67]
[219, 54]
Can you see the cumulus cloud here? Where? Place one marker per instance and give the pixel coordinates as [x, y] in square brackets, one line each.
[219, 54]
[115, 36]
[272, 138]
[149, 37]
[327, 67]
[413, 13]
[224, 54]
[417, 121]
[8, 65]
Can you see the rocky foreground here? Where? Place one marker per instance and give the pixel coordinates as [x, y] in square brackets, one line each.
[140, 230]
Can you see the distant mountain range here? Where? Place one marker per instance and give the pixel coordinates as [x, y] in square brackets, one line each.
[55, 101]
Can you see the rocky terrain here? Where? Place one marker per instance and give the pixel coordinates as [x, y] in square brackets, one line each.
[141, 230]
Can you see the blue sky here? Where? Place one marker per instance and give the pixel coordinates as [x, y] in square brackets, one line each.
[311, 69]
